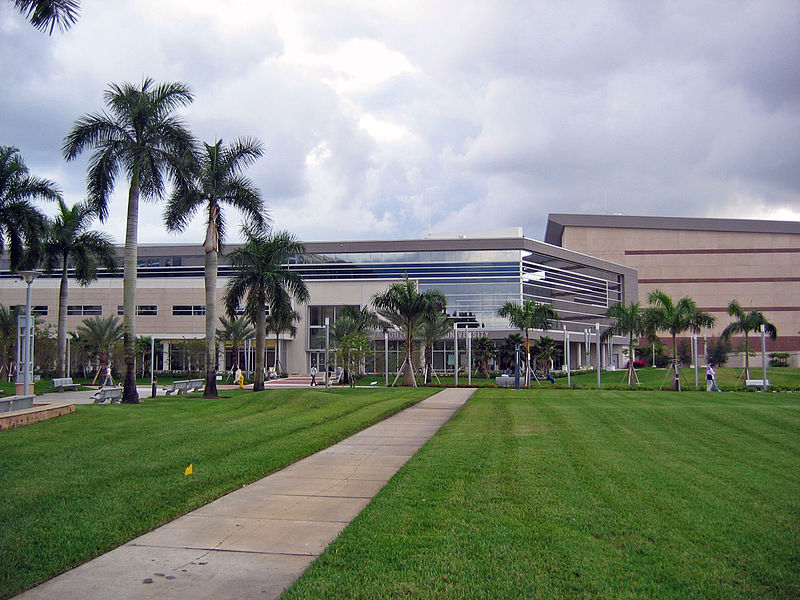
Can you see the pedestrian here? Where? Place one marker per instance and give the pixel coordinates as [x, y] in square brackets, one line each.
[711, 378]
[239, 377]
[108, 380]
[313, 375]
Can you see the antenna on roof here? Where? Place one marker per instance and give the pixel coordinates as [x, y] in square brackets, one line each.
[605, 201]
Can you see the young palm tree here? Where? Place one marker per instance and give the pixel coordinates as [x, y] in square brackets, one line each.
[218, 182]
[98, 335]
[21, 224]
[483, 350]
[142, 137]
[628, 320]
[260, 276]
[531, 315]
[745, 323]
[46, 15]
[352, 323]
[404, 307]
[67, 245]
[236, 331]
[675, 318]
[8, 337]
[544, 349]
[281, 319]
[507, 349]
[434, 327]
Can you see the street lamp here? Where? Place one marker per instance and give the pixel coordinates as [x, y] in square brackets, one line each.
[25, 362]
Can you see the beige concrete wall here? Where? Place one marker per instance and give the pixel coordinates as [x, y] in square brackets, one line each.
[699, 264]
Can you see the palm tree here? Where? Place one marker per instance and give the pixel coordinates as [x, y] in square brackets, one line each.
[507, 351]
[236, 331]
[675, 318]
[8, 336]
[745, 323]
[628, 320]
[98, 335]
[281, 319]
[45, 15]
[67, 245]
[531, 315]
[404, 307]
[21, 223]
[483, 350]
[142, 137]
[543, 351]
[260, 275]
[218, 182]
[352, 321]
[434, 327]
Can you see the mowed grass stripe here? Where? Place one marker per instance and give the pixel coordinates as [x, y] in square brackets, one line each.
[590, 494]
[78, 485]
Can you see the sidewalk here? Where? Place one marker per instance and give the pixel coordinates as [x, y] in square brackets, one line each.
[254, 542]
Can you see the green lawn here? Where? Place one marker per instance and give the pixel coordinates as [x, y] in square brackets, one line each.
[78, 485]
[584, 494]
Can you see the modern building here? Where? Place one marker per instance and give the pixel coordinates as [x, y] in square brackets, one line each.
[477, 271]
[712, 260]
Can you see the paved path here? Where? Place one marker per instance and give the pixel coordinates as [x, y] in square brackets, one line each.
[254, 542]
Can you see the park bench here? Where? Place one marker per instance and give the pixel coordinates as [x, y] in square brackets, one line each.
[16, 403]
[197, 384]
[761, 383]
[113, 394]
[504, 381]
[177, 387]
[60, 383]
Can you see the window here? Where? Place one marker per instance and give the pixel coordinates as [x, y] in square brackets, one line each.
[188, 310]
[85, 310]
[40, 310]
[142, 310]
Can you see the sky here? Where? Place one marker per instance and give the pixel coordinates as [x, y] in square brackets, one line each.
[386, 120]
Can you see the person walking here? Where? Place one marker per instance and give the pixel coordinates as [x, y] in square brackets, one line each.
[711, 378]
[109, 380]
[313, 375]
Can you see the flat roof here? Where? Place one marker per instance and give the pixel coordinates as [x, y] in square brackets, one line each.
[556, 222]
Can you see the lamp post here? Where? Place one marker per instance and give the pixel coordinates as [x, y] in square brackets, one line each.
[469, 358]
[386, 354]
[327, 341]
[764, 358]
[597, 332]
[566, 356]
[28, 277]
[455, 349]
[696, 361]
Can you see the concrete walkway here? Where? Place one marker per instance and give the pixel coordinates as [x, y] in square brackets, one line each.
[254, 542]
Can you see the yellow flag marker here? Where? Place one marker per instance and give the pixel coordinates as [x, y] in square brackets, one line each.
[189, 470]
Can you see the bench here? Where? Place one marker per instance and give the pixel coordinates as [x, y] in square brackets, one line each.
[197, 384]
[762, 383]
[114, 394]
[16, 403]
[60, 383]
[504, 381]
[177, 387]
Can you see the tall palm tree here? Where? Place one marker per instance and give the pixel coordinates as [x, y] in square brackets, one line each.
[236, 331]
[142, 137]
[628, 320]
[261, 276]
[69, 244]
[747, 321]
[529, 315]
[218, 181]
[433, 328]
[98, 335]
[483, 349]
[46, 15]
[21, 223]
[675, 318]
[404, 307]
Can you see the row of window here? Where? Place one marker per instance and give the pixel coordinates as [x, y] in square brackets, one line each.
[142, 310]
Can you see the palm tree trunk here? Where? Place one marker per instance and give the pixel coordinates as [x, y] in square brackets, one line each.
[408, 371]
[261, 343]
[63, 291]
[527, 360]
[211, 321]
[129, 393]
[631, 368]
[746, 356]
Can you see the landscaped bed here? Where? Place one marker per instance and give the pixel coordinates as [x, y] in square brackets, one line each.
[584, 494]
[84, 483]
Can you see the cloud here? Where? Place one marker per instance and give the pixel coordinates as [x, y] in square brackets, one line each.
[377, 117]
